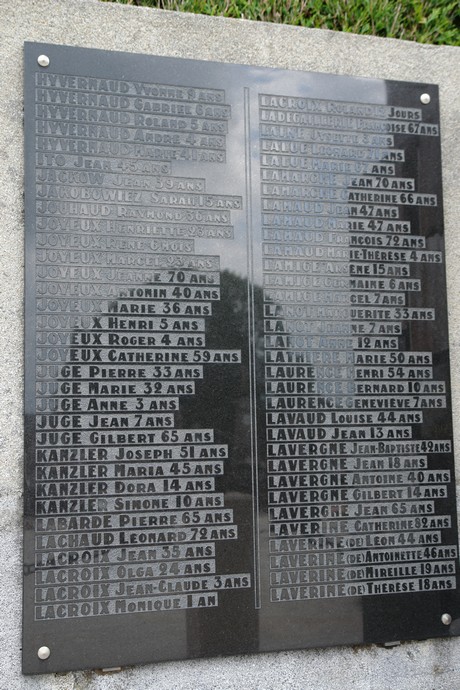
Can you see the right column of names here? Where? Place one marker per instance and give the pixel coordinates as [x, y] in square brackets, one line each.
[356, 492]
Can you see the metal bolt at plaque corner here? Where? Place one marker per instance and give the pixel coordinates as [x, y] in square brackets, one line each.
[44, 653]
[446, 618]
[43, 60]
[425, 98]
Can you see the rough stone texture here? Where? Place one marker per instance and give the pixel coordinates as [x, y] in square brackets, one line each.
[431, 665]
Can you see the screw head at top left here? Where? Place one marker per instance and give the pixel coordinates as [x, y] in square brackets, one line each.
[43, 60]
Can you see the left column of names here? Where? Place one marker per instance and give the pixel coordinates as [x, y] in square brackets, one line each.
[128, 510]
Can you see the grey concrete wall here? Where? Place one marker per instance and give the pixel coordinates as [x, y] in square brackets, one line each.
[430, 665]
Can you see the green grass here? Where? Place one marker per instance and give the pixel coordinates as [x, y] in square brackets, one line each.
[425, 21]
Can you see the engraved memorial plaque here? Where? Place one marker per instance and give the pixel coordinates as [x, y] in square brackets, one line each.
[237, 396]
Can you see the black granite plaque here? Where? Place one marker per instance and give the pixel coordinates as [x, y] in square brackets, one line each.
[238, 427]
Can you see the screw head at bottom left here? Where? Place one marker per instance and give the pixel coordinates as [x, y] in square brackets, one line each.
[43, 653]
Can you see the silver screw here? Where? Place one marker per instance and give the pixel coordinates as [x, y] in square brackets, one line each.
[446, 618]
[43, 60]
[425, 98]
[43, 653]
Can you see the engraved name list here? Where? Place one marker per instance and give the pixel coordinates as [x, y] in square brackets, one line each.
[237, 380]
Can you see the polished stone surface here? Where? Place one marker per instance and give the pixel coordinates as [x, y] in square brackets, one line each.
[237, 376]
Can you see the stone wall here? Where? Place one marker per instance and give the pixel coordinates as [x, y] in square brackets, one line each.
[430, 665]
